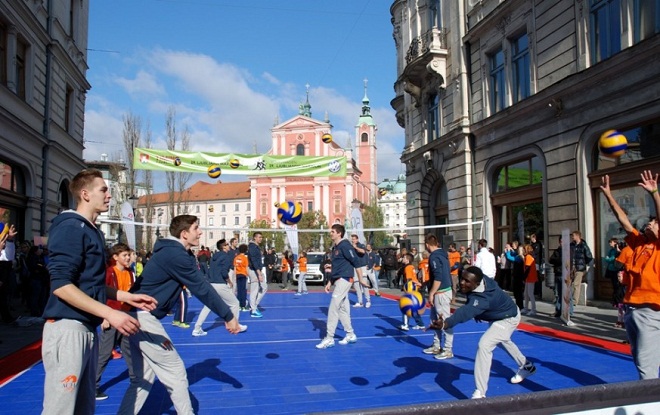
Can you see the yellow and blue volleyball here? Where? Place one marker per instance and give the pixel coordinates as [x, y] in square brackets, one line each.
[4, 229]
[612, 144]
[410, 286]
[289, 213]
[214, 171]
[234, 163]
[326, 138]
[177, 161]
[412, 303]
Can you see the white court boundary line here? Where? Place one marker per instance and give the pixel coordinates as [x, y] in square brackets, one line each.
[421, 334]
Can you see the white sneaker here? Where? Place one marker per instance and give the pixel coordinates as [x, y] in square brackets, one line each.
[524, 372]
[199, 332]
[570, 323]
[357, 305]
[326, 343]
[445, 354]
[404, 327]
[368, 304]
[477, 394]
[418, 327]
[242, 328]
[350, 338]
[432, 350]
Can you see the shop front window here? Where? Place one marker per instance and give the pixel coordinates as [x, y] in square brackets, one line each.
[643, 143]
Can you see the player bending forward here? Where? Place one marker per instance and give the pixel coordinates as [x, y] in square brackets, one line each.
[486, 301]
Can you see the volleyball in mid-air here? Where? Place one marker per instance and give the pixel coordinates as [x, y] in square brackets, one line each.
[412, 303]
[410, 286]
[177, 161]
[289, 213]
[327, 138]
[234, 163]
[612, 144]
[4, 229]
[214, 171]
[382, 192]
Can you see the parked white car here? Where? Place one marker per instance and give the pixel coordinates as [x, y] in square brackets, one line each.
[314, 272]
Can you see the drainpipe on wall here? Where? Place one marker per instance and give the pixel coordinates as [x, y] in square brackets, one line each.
[45, 152]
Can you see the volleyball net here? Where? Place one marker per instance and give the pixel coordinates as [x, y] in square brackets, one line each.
[146, 233]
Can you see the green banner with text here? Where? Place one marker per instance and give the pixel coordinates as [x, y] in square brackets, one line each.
[216, 164]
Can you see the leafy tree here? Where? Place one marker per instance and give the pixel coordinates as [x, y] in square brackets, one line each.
[373, 217]
[275, 239]
[309, 241]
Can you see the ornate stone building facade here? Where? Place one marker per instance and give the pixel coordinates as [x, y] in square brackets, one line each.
[503, 103]
[43, 53]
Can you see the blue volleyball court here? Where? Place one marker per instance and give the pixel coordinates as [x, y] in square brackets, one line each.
[274, 367]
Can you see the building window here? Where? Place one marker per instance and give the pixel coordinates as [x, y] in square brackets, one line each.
[237, 207]
[364, 138]
[337, 206]
[434, 120]
[3, 54]
[68, 108]
[223, 221]
[21, 67]
[310, 206]
[300, 150]
[646, 19]
[435, 15]
[605, 19]
[197, 209]
[497, 87]
[248, 220]
[211, 235]
[264, 208]
[521, 68]
[211, 221]
[523, 173]
[248, 206]
[222, 208]
[642, 144]
[237, 220]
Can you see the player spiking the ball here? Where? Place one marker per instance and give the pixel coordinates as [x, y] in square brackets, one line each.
[487, 302]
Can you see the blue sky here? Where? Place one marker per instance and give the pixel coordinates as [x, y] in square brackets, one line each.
[231, 68]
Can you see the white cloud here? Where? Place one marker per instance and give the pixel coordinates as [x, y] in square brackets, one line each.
[143, 84]
[226, 108]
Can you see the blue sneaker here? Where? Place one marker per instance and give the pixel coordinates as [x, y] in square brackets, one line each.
[256, 314]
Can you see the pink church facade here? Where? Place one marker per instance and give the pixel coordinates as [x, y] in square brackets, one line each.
[301, 135]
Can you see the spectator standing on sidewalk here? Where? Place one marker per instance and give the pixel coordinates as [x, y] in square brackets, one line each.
[556, 262]
[531, 278]
[581, 259]
[486, 260]
[642, 297]
[539, 259]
